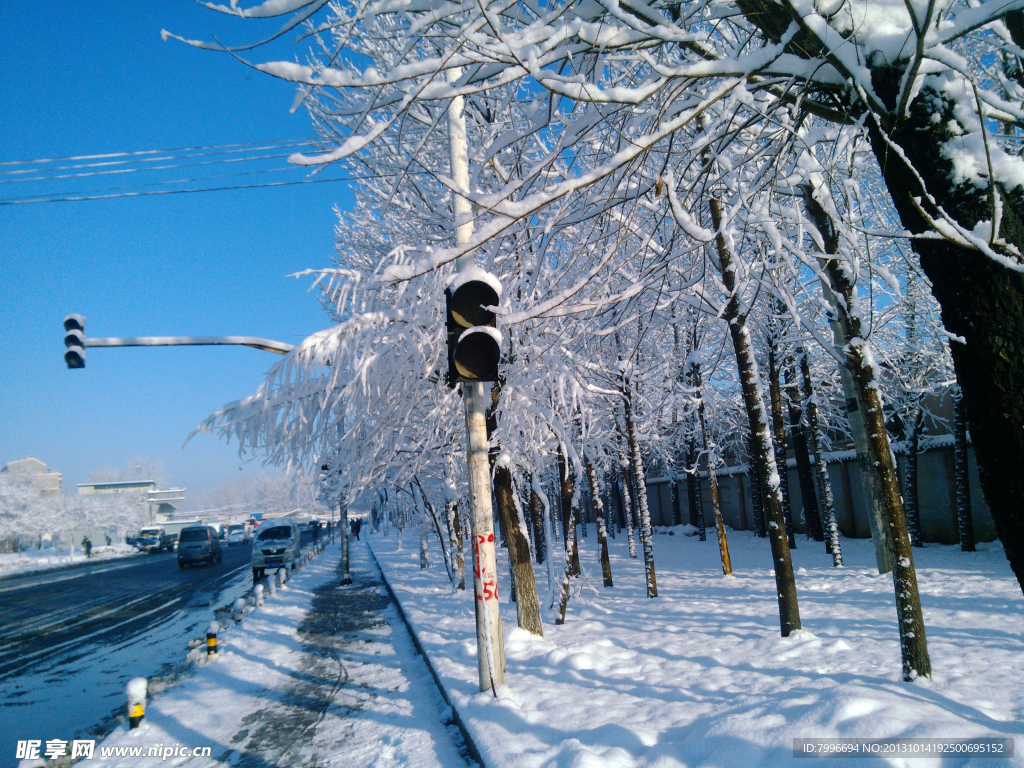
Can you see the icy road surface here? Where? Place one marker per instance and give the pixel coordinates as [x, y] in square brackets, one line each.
[322, 675]
[73, 637]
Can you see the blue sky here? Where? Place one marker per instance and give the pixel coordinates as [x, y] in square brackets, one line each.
[91, 78]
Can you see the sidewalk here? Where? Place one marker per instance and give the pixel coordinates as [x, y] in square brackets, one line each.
[699, 676]
[322, 675]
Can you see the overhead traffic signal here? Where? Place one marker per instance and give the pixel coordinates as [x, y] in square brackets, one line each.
[74, 340]
[474, 343]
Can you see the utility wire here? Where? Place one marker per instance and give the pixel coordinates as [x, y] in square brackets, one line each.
[149, 168]
[168, 155]
[283, 142]
[142, 161]
[84, 198]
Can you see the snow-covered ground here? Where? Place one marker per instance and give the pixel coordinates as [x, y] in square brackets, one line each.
[700, 675]
[58, 557]
[321, 675]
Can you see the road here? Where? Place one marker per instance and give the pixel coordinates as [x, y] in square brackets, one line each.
[72, 638]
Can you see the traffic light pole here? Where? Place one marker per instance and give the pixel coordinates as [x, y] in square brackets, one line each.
[490, 642]
[76, 342]
[267, 345]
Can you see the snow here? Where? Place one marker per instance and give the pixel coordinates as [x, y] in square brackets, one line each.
[59, 557]
[262, 702]
[700, 675]
[474, 273]
[136, 690]
[494, 333]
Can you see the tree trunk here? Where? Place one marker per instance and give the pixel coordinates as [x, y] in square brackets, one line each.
[610, 512]
[880, 460]
[625, 491]
[641, 493]
[585, 507]
[779, 425]
[346, 576]
[527, 604]
[981, 300]
[756, 493]
[804, 470]
[694, 496]
[431, 514]
[537, 518]
[910, 496]
[570, 554]
[712, 453]
[831, 526]
[677, 512]
[424, 559]
[764, 460]
[964, 518]
[602, 534]
[569, 514]
[455, 535]
[553, 510]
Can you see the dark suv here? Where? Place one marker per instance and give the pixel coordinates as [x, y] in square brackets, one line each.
[198, 543]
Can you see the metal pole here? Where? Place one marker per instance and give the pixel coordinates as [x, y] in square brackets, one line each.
[489, 638]
[267, 345]
[490, 643]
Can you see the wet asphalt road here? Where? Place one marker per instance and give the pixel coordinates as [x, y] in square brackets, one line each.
[70, 639]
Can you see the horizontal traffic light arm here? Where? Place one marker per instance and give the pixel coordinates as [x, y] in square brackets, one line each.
[267, 345]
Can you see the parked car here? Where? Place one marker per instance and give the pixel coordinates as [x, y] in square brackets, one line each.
[277, 544]
[198, 544]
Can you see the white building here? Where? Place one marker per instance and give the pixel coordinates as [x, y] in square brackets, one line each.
[48, 483]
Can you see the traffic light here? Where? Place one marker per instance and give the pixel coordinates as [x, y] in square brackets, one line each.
[74, 340]
[474, 343]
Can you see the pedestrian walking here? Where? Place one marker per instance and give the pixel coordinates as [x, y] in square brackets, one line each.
[87, 546]
[356, 525]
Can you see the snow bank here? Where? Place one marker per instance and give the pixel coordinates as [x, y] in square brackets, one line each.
[280, 693]
[700, 676]
[59, 557]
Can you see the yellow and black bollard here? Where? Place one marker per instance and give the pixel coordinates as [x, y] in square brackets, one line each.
[257, 594]
[211, 641]
[136, 690]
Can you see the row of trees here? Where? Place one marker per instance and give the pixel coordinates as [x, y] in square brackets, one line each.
[26, 516]
[709, 218]
[269, 494]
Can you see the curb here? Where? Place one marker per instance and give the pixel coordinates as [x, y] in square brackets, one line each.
[456, 718]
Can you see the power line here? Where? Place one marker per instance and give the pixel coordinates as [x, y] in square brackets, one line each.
[150, 193]
[151, 152]
[113, 171]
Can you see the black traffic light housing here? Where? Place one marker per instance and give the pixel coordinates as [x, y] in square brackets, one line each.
[474, 343]
[74, 340]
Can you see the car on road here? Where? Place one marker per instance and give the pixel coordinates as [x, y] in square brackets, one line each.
[198, 544]
[154, 539]
[277, 543]
[236, 535]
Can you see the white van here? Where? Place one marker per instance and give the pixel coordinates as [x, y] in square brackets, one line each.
[276, 544]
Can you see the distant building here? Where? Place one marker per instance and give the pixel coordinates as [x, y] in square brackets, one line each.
[48, 483]
[140, 487]
[162, 499]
